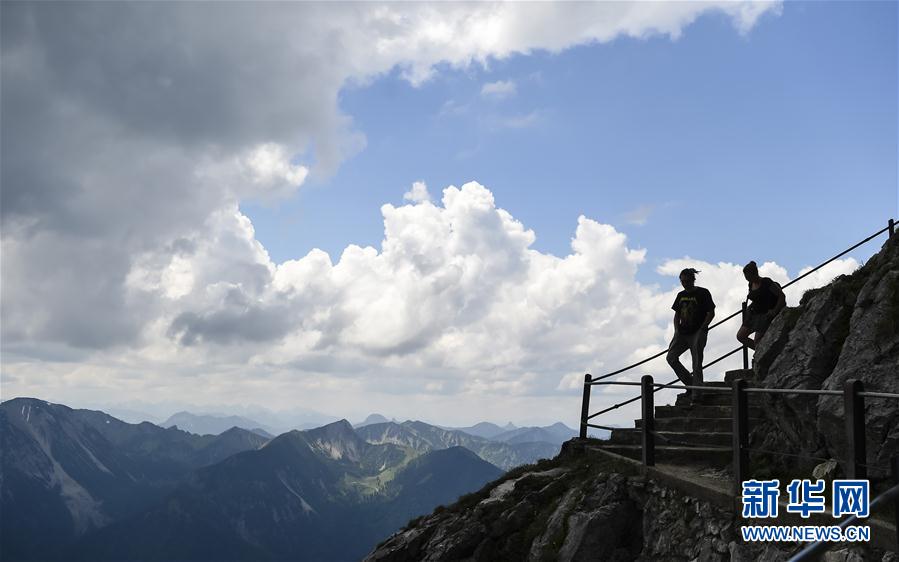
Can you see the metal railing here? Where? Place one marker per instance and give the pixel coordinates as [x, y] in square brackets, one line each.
[853, 394]
[590, 381]
[853, 398]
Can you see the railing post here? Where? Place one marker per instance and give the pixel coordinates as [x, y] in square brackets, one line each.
[649, 446]
[745, 349]
[585, 405]
[894, 468]
[892, 228]
[740, 434]
[854, 408]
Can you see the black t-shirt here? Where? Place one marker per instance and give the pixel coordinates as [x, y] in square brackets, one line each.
[765, 297]
[693, 306]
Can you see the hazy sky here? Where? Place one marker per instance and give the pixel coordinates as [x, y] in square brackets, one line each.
[440, 211]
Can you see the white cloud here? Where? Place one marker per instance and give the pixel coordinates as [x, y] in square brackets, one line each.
[821, 277]
[454, 304]
[124, 247]
[418, 193]
[499, 89]
[268, 164]
[161, 132]
[262, 171]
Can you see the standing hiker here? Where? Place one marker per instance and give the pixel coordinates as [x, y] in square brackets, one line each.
[767, 299]
[693, 312]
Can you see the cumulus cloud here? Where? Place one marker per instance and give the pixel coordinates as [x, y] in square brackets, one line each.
[499, 89]
[132, 132]
[454, 303]
[127, 125]
[418, 193]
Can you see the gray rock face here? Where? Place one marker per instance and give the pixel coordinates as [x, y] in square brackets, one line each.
[870, 354]
[556, 514]
[846, 330]
[576, 509]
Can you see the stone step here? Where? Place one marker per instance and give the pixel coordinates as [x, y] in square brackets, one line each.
[747, 374]
[692, 424]
[635, 436]
[702, 411]
[695, 456]
[708, 399]
[717, 384]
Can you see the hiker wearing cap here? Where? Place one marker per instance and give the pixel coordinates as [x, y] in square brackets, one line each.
[694, 310]
[767, 299]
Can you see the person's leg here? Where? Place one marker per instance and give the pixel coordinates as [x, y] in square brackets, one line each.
[743, 336]
[679, 344]
[761, 326]
[697, 345]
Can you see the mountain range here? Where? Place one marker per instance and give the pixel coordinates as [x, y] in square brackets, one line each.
[322, 494]
[65, 472]
[486, 430]
[83, 485]
[425, 437]
[207, 424]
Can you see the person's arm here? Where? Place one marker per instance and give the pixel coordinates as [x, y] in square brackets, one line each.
[710, 315]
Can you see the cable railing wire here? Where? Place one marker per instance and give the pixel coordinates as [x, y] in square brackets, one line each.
[800, 392]
[658, 388]
[856, 464]
[619, 371]
[725, 356]
[606, 427]
[838, 256]
[853, 395]
[716, 324]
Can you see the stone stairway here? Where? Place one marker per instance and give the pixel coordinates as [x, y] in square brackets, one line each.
[695, 432]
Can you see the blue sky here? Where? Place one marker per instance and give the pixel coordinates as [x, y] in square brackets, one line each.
[171, 186]
[779, 144]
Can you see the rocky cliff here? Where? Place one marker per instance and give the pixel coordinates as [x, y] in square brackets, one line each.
[848, 329]
[577, 508]
[580, 507]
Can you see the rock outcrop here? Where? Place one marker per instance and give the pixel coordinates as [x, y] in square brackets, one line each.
[578, 509]
[846, 330]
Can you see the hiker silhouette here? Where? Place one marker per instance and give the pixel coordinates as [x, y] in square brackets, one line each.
[694, 310]
[767, 299]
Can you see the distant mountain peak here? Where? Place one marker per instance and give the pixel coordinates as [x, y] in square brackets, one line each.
[373, 419]
[209, 424]
[338, 426]
[337, 440]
